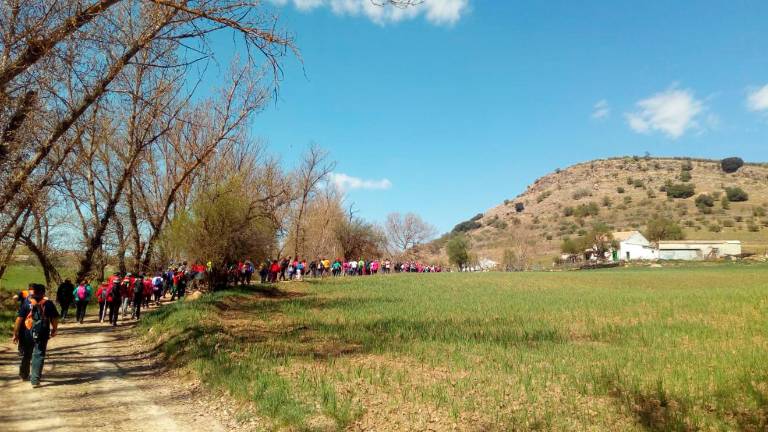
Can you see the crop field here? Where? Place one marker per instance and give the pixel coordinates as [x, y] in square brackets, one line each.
[630, 349]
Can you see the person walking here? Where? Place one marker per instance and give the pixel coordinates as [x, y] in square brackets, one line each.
[36, 322]
[113, 302]
[64, 297]
[138, 297]
[82, 295]
[101, 297]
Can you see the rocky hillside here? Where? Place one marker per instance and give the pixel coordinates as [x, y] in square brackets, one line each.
[624, 193]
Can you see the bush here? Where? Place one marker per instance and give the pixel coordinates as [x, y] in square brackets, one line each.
[542, 196]
[663, 228]
[739, 218]
[638, 183]
[714, 228]
[685, 176]
[584, 210]
[753, 227]
[568, 211]
[680, 190]
[731, 164]
[686, 165]
[736, 194]
[704, 200]
[458, 250]
[725, 203]
[467, 226]
[620, 190]
[651, 193]
[627, 199]
[758, 211]
[630, 180]
[581, 193]
[728, 223]
[519, 207]
[607, 201]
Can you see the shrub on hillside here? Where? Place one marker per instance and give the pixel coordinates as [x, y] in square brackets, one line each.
[542, 196]
[663, 228]
[705, 200]
[620, 190]
[607, 201]
[467, 226]
[630, 180]
[731, 164]
[687, 165]
[736, 194]
[638, 183]
[519, 207]
[685, 176]
[584, 210]
[680, 190]
[715, 228]
[758, 211]
[581, 193]
[753, 227]
[725, 203]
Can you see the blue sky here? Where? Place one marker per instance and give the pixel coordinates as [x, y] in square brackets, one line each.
[451, 108]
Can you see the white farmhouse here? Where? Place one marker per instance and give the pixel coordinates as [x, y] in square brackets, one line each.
[634, 246]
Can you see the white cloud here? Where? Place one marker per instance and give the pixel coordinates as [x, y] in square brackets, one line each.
[601, 110]
[671, 112]
[757, 100]
[344, 182]
[440, 12]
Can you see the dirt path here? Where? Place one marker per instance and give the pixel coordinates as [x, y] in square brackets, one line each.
[96, 378]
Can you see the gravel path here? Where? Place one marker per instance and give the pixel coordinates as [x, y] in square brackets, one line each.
[97, 378]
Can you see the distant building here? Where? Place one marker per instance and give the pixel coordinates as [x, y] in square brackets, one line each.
[698, 249]
[634, 246]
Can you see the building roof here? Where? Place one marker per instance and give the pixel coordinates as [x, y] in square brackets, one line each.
[624, 235]
[698, 242]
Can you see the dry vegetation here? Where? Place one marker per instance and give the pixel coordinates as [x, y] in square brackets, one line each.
[625, 193]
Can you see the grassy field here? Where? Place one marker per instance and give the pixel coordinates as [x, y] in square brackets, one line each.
[638, 349]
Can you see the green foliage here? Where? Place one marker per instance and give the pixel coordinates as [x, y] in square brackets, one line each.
[638, 183]
[607, 201]
[758, 211]
[620, 190]
[220, 226]
[584, 210]
[753, 227]
[686, 166]
[468, 225]
[704, 200]
[627, 199]
[662, 228]
[458, 250]
[736, 194]
[685, 176]
[568, 211]
[725, 203]
[714, 227]
[680, 190]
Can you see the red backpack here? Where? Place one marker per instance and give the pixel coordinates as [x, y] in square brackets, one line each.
[82, 292]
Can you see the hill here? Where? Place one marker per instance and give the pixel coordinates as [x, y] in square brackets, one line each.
[623, 193]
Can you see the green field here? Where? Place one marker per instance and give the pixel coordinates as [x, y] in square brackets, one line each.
[637, 349]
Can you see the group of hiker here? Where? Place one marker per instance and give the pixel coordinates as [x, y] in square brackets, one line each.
[38, 318]
[290, 268]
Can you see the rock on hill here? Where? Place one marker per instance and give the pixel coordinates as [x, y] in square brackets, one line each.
[624, 193]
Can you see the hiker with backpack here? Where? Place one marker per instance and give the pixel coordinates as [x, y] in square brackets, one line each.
[138, 296]
[36, 322]
[113, 301]
[82, 295]
[64, 297]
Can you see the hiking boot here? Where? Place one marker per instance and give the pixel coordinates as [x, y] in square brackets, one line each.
[36, 385]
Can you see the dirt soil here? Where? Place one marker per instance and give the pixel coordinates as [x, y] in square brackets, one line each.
[96, 378]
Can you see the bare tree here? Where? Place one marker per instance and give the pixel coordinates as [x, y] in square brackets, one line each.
[408, 231]
[314, 168]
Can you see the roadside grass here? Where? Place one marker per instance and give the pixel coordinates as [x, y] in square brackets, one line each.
[632, 349]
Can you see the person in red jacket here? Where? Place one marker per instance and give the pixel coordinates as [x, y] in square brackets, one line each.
[101, 297]
[274, 269]
[147, 291]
